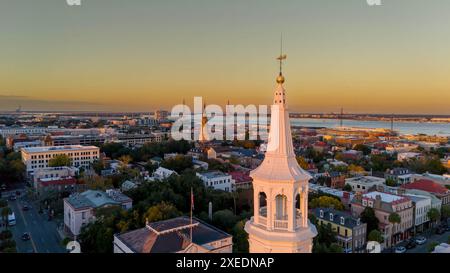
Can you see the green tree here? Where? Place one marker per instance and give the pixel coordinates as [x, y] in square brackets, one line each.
[325, 241]
[394, 218]
[434, 215]
[368, 217]
[240, 238]
[376, 236]
[391, 182]
[178, 163]
[161, 212]
[431, 246]
[326, 202]
[445, 211]
[335, 248]
[302, 162]
[224, 219]
[3, 203]
[60, 161]
[347, 187]
[5, 235]
[363, 148]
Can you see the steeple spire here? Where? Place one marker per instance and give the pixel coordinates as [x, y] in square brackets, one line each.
[278, 225]
[281, 58]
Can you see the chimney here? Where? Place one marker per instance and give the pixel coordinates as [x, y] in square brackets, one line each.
[377, 203]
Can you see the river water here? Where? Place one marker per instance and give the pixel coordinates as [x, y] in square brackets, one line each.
[442, 129]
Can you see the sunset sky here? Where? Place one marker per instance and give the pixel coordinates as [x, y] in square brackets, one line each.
[141, 55]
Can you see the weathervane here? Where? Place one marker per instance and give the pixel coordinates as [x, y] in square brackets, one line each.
[280, 78]
[282, 56]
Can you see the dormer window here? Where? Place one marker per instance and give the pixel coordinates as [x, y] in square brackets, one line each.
[331, 216]
[342, 220]
[321, 213]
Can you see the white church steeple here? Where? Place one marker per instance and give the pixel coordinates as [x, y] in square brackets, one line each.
[280, 223]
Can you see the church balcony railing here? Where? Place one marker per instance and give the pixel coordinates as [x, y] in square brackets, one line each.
[280, 222]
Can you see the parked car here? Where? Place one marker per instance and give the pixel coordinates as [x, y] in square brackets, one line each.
[440, 230]
[400, 249]
[420, 240]
[12, 198]
[411, 244]
[26, 236]
[25, 208]
[3, 187]
[18, 193]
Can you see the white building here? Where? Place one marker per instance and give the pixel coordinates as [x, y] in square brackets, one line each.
[444, 180]
[53, 172]
[364, 183]
[217, 180]
[39, 157]
[79, 208]
[26, 144]
[435, 202]
[279, 184]
[442, 248]
[128, 185]
[163, 173]
[407, 155]
[422, 204]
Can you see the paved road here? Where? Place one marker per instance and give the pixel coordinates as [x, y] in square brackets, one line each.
[440, 238]
[44, 237]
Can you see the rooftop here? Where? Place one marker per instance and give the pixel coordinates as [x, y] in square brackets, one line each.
[170, 236]
[385, 197]
[213, 174]
[240, 177]
[96, 199]
[57, 148]
[365, 179]
[427, 185]
[349, 220]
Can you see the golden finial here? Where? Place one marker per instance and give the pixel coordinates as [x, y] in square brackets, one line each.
[280, 78]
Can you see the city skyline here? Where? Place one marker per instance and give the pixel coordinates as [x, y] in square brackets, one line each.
[391, 61]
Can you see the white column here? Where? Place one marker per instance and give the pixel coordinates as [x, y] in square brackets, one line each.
[304, 209]
[256, 205]
[270, 211]
[292, 212]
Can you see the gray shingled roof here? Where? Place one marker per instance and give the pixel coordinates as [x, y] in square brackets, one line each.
[171, 236]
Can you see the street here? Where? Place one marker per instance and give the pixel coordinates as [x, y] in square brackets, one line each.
[43, 233]
[440, 238]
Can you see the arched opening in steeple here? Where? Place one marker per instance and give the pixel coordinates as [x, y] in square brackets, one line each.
[297, 201]
[262, 204]
[281, 207]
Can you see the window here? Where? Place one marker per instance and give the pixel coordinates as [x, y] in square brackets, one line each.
[83, 215]
[321, 213]
[331, 216]
[342, 220]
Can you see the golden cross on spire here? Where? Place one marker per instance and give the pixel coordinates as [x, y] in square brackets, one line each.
[282, 56]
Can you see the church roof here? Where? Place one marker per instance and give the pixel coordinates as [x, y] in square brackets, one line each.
[170, 236]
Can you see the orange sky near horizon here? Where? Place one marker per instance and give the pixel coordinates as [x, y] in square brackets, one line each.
[147, 55]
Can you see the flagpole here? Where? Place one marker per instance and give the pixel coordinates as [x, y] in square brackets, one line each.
[192, 199]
